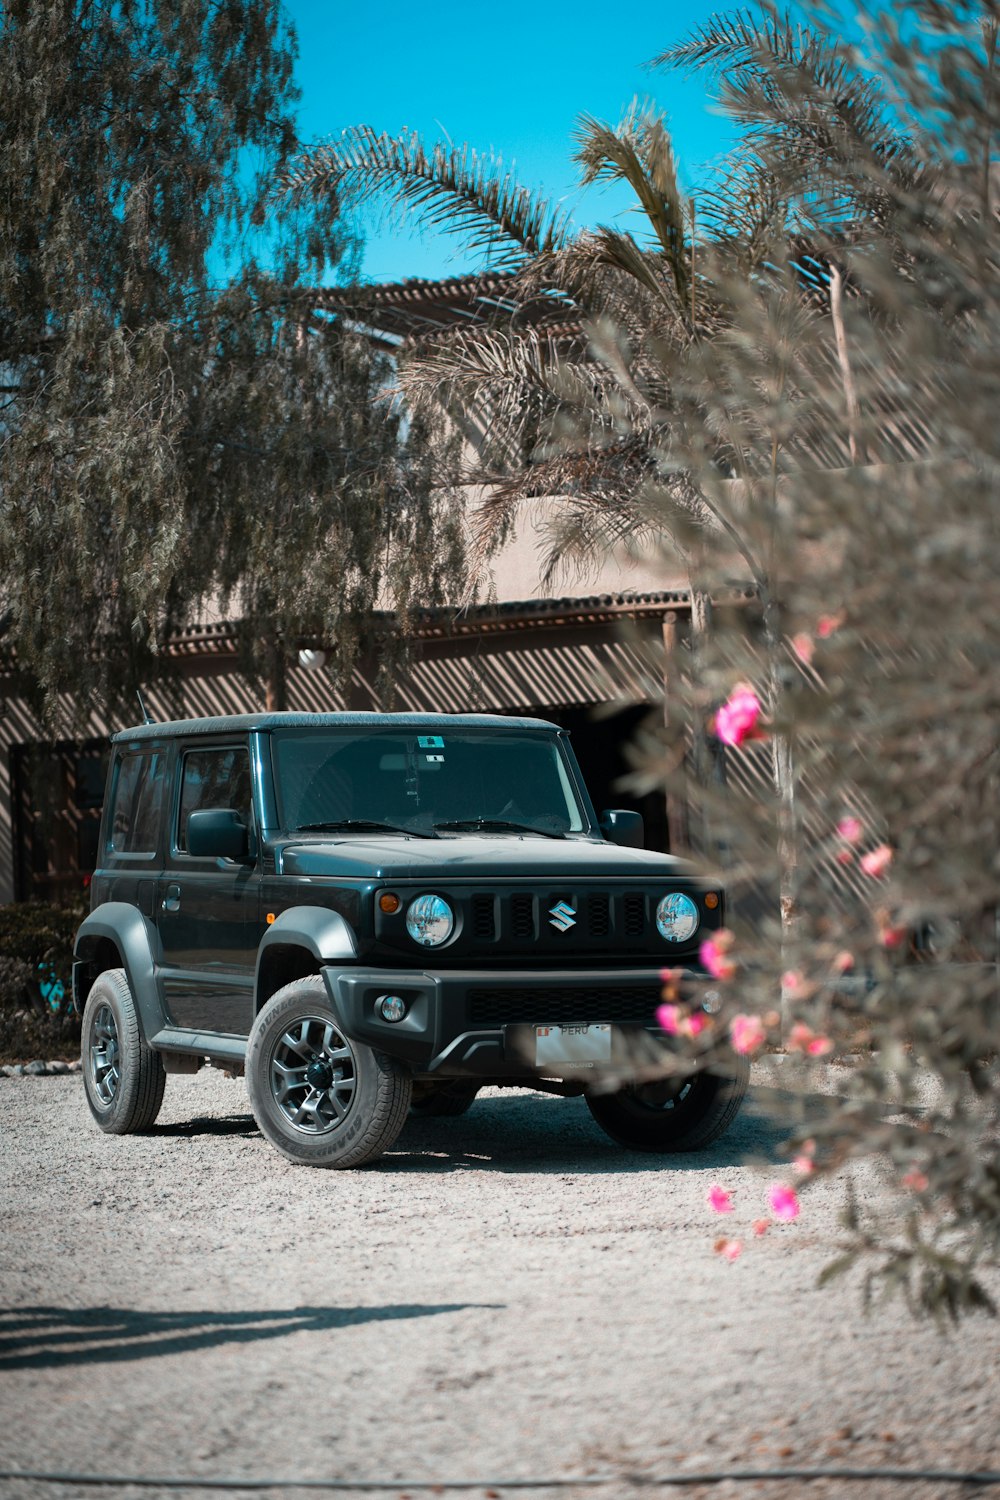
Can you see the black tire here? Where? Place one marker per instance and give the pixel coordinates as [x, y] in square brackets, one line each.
[321, 1099]
[677, 1114]
[446, 1100]
[123, 1077]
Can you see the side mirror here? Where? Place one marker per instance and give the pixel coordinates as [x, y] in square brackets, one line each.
[217, 833]
[623, 827]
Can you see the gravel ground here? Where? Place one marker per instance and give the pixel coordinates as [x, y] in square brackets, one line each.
[506, 1295]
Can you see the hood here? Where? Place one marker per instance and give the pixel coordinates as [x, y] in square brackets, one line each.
[481, 857]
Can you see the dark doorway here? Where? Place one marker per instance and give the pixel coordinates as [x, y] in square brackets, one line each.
[58, 790]
[600, 744]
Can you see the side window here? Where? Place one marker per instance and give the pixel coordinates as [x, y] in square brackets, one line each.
[213, 778]
[138, 802]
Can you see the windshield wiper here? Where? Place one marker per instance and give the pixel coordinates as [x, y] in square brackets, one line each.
[363, 825]
[500, 825]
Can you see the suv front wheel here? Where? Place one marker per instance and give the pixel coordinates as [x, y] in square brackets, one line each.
[320, 1098]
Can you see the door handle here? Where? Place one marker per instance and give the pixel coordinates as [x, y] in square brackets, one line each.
[172, 899]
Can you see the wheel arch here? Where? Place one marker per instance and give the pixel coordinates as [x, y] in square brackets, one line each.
[117, 936]
[299, 942]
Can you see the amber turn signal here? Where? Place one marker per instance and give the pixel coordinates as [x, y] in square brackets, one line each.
[388, 903]
[711, 900]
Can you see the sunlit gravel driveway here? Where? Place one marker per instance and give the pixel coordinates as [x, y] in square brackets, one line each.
[507, 1295]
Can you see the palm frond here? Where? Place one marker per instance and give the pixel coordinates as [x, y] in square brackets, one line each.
[638, 151]
[449, 188]
[773, 71]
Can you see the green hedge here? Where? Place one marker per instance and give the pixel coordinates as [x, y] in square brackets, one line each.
[36, 955]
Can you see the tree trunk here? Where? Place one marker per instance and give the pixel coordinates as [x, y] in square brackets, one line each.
[677, 806]
[275, 678]
[854, 442]
[783, 769]
[707, 761]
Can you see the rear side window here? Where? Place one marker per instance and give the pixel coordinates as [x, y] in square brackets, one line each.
[213, 778]
[138, 802]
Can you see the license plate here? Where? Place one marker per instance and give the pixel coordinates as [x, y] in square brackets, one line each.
[572, 1046]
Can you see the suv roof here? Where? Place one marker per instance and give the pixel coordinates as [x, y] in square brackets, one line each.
[240, 723]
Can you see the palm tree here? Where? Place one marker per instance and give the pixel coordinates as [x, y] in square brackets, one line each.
[592, 378]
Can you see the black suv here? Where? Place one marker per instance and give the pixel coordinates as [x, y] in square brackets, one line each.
[376, 912]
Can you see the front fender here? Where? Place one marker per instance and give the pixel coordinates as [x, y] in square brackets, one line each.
[322, 935]
[135, 938]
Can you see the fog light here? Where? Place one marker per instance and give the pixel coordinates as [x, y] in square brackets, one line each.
[391, 1007]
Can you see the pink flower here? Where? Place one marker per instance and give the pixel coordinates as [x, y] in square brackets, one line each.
[891, 934]
[850, 829]
[761, 1226]
[845, 857]
[718, 1200]
[713, 953]
[827, 624]
[783, 1201]
[916, 1180]
[737, 719]
[804, 1165]
[746, 1033]
[802, 1038]
[876, 861]
[842, 962]
[694, 1024]
[667, 1018]
[802, 645]
[730, 1249]
[792, 983]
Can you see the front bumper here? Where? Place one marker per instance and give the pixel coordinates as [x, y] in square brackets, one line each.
[480, 1023]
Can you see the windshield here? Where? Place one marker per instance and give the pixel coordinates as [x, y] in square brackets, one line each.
[463, 780]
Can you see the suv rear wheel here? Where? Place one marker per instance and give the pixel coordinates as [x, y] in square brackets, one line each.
[320, 1098]
[122, 1076]
[673, 1114]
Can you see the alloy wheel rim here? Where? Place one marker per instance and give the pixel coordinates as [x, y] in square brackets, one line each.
[664, 1095]
[105, 1056]
[313, 1075]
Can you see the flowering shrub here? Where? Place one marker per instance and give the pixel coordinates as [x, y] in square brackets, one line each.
[839, 447]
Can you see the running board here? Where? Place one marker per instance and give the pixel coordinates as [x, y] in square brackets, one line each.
[231, 1049]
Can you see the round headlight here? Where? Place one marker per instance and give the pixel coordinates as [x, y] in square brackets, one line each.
[430, 921]
[677, 918]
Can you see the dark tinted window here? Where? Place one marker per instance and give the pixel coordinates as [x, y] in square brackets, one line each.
[214, 778]
[138, 802]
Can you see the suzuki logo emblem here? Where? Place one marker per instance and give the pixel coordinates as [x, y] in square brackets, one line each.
[563, 916]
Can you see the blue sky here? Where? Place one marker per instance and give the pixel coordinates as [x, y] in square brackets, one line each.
[514, 78]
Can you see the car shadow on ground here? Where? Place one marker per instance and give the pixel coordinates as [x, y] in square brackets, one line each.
[548, 1135]
[36, 1338]
[238, 1125]
[545, 1135]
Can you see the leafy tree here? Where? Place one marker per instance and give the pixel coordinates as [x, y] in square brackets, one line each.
[138, 138]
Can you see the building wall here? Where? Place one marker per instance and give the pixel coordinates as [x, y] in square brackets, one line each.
[566, 659]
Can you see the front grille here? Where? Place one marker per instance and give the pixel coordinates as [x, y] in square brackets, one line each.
[522, 915]
[562, 1003]
[484, 918]
[599, 915]
[635, 913]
